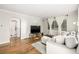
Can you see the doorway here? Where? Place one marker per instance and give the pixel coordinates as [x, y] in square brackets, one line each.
[15, 32]
[15, 27]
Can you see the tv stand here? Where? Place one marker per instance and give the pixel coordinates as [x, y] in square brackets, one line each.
[36, 36]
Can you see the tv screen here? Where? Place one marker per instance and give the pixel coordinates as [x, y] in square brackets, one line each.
[35, 29]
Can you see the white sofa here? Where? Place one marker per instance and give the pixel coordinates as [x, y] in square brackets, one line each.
[56, 45]
[56, 48]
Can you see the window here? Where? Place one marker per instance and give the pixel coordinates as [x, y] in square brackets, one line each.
[64, 25]
[54, 25]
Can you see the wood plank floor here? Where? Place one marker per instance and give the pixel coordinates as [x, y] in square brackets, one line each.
[24, 48]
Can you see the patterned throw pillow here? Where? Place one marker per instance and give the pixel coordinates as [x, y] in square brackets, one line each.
[71, 41]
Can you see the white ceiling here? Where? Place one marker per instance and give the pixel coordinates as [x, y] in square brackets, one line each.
[42, 10]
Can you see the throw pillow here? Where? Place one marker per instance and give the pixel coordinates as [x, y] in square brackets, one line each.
[71, 41]
[59, 39]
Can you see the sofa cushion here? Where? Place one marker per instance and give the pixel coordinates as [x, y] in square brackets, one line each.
[59, 39]
[56, 48]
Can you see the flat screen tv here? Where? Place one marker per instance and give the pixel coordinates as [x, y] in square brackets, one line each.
[35, 29]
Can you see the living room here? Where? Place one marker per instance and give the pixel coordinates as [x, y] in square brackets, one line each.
[37, 23]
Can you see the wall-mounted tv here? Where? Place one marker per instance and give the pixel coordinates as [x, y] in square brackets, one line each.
[35, 29]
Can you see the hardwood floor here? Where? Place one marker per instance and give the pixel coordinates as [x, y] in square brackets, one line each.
[24, 48]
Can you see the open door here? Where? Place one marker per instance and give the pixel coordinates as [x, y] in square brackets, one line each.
[15, 31]
[15, 27]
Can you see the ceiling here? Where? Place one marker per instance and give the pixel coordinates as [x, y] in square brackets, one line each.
[42, 10]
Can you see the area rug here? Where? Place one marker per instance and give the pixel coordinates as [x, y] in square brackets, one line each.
[40, 47]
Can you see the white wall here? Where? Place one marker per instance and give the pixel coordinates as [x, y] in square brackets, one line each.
[70, 25]
[78, 25]
[45, 26]
[26, 21]
[78, 20]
